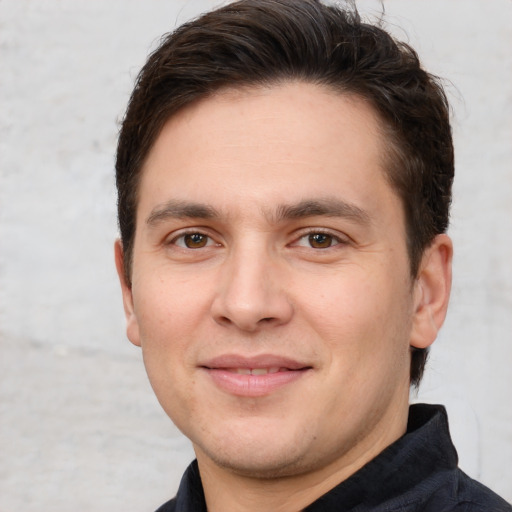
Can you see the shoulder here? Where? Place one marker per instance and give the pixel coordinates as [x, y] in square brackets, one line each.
[460, 493]
[170, 506]
[476, 497]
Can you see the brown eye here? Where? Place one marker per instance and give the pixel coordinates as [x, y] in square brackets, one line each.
[195, 240]
[320, 240]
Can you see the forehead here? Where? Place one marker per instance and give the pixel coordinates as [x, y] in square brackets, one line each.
[270, 145]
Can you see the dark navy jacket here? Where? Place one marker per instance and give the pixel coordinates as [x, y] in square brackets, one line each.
[416, 473]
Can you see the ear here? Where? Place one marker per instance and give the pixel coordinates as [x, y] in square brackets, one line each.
[432, 291]
[132, 325]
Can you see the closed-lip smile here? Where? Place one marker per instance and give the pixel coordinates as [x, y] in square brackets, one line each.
[253, 376]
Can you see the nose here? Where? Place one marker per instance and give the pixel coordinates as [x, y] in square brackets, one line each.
[252, 293]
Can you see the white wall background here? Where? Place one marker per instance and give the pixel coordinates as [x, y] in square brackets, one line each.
[79, 426]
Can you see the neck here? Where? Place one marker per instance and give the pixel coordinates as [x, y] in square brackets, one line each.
[228, 491]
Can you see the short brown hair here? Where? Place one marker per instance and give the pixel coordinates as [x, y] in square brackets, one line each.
[265, 42]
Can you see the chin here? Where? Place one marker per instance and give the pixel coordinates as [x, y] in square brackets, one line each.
[266, 457]
[257, 466]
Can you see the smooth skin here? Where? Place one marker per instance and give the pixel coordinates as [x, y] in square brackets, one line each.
[267, 231]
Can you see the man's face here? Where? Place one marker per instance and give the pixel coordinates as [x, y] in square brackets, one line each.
[271, 291]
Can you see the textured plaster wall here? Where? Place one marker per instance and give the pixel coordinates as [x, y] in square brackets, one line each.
[78, 422]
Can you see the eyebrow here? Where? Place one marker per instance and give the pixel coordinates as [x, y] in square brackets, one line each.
[180, 210]
[328, 207]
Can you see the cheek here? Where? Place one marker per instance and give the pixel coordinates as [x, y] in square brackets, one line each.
[364, 316]
[166, 328]
[167, 304]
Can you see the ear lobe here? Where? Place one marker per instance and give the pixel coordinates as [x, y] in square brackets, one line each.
[432, 291]
[132, 326]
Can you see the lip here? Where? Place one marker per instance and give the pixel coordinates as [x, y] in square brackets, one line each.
[223, 372]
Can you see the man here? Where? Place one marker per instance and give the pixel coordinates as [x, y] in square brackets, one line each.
[284, 175]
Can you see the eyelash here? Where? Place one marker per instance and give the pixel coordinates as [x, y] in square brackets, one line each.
[184, 234]
[334, 239]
